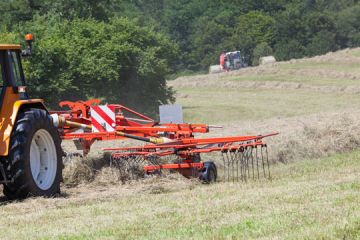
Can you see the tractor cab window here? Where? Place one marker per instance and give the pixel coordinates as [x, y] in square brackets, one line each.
[16, 68]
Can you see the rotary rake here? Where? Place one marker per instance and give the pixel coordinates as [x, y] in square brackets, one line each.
[243, 158]
[169, 147]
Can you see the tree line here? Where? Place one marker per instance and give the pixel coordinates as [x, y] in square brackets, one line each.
[122, 51]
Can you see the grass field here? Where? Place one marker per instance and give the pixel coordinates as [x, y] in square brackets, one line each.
[314, 192]
[314, 199]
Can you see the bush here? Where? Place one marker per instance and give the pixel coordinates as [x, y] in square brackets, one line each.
[119, 62]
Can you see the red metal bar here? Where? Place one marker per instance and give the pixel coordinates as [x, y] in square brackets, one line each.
[183, 143]
[118, 106]
[142, 153]
[174, 166]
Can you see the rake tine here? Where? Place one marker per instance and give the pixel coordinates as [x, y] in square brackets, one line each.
[257, 161]
[232, 155]
[230, 164]
[237, 163]
[224, 161]
[252, 163]
[267, 160]
[131, 164]
[228, 159]
[243, 164]
[262, 160]
[154, 160]
[247, 162]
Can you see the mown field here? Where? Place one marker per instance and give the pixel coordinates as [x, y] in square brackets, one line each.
[314, 199]
[315, 188]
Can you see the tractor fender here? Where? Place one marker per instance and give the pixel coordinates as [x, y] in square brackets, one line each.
[8, 114]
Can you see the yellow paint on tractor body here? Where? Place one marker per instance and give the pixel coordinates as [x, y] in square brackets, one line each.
[10, 47]
[9, 110]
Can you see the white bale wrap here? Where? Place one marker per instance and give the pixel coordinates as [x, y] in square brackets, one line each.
[215, 69]
[267, 60]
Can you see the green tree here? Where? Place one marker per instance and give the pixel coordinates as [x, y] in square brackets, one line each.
[252, 29]
[347, 27]
[322, 42]
[118, 62]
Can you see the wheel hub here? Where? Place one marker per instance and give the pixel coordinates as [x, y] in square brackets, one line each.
[43, 159]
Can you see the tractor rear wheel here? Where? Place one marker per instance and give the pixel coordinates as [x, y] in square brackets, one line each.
[34, 166]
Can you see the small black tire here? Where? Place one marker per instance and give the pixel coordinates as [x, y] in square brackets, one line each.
[35, 149]
[209, 173]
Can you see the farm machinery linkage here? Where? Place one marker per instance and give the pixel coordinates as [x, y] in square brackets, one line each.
[169, 146]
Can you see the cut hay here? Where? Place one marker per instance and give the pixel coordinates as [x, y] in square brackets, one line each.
[77, 171]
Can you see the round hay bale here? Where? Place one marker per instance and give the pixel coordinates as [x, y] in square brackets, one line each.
[215, 69]
[267, 60]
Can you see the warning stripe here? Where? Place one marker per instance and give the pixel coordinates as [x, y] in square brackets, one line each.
[102, 118]
[105, 115]
[97, 127]
[97, 118]
[109, 111]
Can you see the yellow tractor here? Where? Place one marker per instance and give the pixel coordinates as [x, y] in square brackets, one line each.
[30, 146]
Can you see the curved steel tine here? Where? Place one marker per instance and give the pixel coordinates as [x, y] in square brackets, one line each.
[151, 159]
[224, 161]
[267, 160]
[228, 165]
[111, 160]
[237, 154]
[252, 162]
[249, 161]
[235, 167]
[257, 162]
[243, 166]
[249, 157]
[263, 162]
[232, 155]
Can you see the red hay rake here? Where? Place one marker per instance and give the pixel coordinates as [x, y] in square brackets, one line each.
[170, 147]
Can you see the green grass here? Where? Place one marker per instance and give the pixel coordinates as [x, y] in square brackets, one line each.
[330, 65]
[216, 105]
[287, 77]
[311, 199]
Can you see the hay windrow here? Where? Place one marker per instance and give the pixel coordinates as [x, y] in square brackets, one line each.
[307, 137]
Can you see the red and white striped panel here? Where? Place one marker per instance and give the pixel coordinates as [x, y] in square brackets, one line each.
[103, 118]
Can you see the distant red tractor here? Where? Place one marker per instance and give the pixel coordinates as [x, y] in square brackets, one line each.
[229, 61]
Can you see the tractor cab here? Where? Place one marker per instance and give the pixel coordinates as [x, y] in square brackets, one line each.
[11, 70]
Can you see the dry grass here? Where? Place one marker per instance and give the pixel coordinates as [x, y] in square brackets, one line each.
[310, 199]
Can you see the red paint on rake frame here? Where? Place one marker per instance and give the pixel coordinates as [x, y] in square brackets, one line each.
[183, 143]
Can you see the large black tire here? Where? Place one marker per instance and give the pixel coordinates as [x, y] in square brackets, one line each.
[209, 173]
[30, 125]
